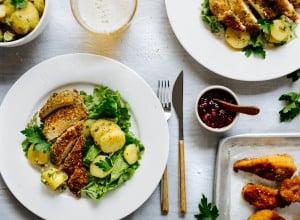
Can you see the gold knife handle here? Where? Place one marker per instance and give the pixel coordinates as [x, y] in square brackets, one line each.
[164, 192]
[182, 178]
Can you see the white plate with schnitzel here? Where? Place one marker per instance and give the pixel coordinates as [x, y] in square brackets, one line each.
[81, 72]
[213, 53]
[228, 183]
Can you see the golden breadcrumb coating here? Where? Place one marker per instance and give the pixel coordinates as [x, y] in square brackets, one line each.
[274, 167]
[289, 189]
[265, 214]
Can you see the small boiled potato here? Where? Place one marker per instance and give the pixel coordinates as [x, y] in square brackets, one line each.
[102, 126]
[97, 171]
[25, 19]
[112, 141]
[2, 11]
[37, 157]
[9, 8]
[279, 31]
[54, 178]
[237, 39]
[131, 153]
[8, 36]
[87, 127]
[39, 5]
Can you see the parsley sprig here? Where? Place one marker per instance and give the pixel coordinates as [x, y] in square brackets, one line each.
[104, 164]
[208, 211]
[19, 3]
[292, 108]
[208, 17]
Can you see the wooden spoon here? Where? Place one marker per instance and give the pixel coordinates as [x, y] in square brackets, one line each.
[246, 109]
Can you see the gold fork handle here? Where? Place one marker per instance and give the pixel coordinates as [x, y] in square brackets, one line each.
[182, 178]
[164, 192]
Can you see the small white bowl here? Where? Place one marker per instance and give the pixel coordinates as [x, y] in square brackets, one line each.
[35, 32]
[225, 90]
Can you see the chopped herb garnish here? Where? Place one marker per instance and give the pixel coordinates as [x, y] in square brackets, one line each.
[209, 18]
[105, 164]
[19, 3]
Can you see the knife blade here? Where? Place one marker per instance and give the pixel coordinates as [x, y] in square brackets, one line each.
[177, 100]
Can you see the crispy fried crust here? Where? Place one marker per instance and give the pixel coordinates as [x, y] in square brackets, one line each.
[266, 214]
[74, 158]
[61, 119]
[64, 143]
[58, 100]
[77, 180]
[290, 189]
[263, 197]
[274, 167]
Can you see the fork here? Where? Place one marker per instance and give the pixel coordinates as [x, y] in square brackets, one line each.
[163, 93]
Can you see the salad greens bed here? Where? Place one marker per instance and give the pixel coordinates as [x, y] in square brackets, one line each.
[103, 103]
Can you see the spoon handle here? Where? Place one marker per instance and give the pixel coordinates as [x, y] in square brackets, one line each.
[246, 109]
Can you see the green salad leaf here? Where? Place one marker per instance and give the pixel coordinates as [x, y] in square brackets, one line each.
[207, 211]
[105, 103]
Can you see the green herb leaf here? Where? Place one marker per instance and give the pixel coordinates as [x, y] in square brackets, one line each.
[19, 3]
[208, 211]
[105, 164]
[209, 18]
[256, 51]
[265, 25]
[294, 75]
[292, 107]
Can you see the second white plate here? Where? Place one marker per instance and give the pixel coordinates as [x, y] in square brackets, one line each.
[214, 54]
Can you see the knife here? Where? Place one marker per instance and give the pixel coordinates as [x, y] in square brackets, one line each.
[177, 100]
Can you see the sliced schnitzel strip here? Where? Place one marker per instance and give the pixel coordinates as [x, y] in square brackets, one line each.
[64, 143]
[263, 8]
[274, 167]
[286, 8]
[265, 214]
[263, 197]
[290, 189]
[78, 180]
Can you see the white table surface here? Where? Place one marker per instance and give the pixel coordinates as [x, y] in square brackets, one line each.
[150, 48]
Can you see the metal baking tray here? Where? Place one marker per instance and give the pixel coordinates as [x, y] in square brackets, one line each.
[228, 183]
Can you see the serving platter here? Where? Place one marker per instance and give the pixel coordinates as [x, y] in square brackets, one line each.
[82, 72]
[213, 53]
[229, 184]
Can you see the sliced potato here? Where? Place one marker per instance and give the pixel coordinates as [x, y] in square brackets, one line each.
[112, 141]
[96, 170]
[279, 31]
[25, 19]
[37, 157]
[237, 39]
[9, 8]
[54, 178]
[39, 5]
[131, 153]
[101, 127]
[87, 127]
[8, 36]
[2, 11]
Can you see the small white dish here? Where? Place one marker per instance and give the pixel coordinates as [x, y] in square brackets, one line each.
[216, 91]
[35, 32]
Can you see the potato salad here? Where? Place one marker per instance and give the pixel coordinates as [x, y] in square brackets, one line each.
[82, 142]
[19, 17]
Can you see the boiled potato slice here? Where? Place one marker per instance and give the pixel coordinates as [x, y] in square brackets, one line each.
[131, 153]
[112, 141]
[39, 5]
[237, 39]
[25, 19]
[101, 127]
[9, 8]
[96, 170]
[279, 31]
[37, 157]
[54, 178]
[87, 127]
[2, 11]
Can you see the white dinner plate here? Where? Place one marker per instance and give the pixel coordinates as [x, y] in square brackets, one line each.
[83, 72]
[214, 54]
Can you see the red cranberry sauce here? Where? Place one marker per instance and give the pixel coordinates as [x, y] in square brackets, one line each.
[211, 112]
